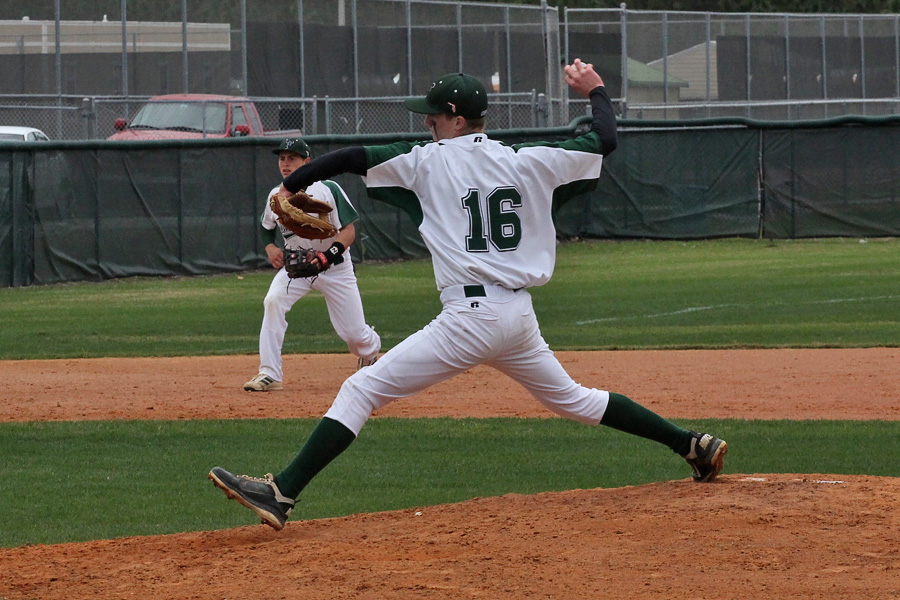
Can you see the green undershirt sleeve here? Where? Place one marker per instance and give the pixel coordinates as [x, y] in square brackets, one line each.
[267, 236]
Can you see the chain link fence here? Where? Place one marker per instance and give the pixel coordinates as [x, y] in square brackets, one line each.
[76, 117]
[337, 116]
[689, 65]
[71, 67]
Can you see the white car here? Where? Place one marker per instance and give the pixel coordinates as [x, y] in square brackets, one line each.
[22, 134]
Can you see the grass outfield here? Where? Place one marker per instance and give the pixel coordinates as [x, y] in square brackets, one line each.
[92, 480]
[69, 482]
[604, 295]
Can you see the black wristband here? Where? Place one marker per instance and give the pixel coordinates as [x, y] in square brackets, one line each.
[335, 253]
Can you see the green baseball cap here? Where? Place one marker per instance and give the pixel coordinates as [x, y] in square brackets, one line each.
[454, 94]
[295, 145]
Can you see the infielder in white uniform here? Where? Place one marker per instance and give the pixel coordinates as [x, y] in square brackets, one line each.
[484, 210]
[337, 283]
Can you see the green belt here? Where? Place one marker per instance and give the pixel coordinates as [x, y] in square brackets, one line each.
[474, 291]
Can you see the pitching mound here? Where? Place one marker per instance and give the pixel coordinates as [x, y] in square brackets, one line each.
[746, 536]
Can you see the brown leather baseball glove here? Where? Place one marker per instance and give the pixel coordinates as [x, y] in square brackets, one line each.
[298, 263]
[294, 214]
[306, 262]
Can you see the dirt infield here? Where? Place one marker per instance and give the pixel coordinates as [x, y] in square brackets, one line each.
[690, 384]
[746, 536]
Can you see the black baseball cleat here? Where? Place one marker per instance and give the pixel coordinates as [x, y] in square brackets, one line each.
[261, 496]
[707, 456]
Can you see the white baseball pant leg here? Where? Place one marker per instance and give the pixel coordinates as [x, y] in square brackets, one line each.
[283, 293]
[339, 287]
[500, 330]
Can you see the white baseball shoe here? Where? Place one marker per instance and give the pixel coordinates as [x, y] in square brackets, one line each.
[365, 362]
[263, 383]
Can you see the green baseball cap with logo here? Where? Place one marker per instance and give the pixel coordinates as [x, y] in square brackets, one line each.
[295, 145]
[454, 94]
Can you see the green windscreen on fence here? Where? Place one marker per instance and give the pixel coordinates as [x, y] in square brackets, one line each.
[16, 218]
[832, 182]
[103, 212]
[73, 211]
[684, 184]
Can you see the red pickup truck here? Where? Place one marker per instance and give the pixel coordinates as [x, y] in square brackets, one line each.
[185, 116]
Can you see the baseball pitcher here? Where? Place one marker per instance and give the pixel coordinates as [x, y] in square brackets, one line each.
[485, 213]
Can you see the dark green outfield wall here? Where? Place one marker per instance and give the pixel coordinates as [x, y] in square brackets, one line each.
[73, 211]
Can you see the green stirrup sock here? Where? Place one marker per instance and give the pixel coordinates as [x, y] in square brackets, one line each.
[325, 443]
[627, 415]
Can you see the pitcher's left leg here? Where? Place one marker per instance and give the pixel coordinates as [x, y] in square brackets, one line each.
[438, 351]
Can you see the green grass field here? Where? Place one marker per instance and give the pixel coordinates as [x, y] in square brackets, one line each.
[604, 295]
[93, 480]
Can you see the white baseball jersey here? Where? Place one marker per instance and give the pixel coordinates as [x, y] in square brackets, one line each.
[484, 209]
[338, 285]
[327, 191]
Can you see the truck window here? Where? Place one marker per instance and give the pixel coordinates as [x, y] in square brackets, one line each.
[253, 119]
[238, 117]
[183, 116]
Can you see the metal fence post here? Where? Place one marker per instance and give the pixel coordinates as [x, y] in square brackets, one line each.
[300, 51]
[550, 27]
[124, 5]
[665, 59]
[787, 59]
[244, 73]
[564, 92]
[542, 108]
[747, 63]
[59, 89]
[459, 41]
[708, 59]
[897, 54]
[409, 67]
[184, 47]
[824, 62]
[58, 51]
[327, 116]
[88, 120]
[862, 63]
[623, 24]
[20, 45]
[506, 34]
[353, 16]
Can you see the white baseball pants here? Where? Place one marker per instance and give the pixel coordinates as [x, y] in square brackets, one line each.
[499, 329]
[338, 286]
